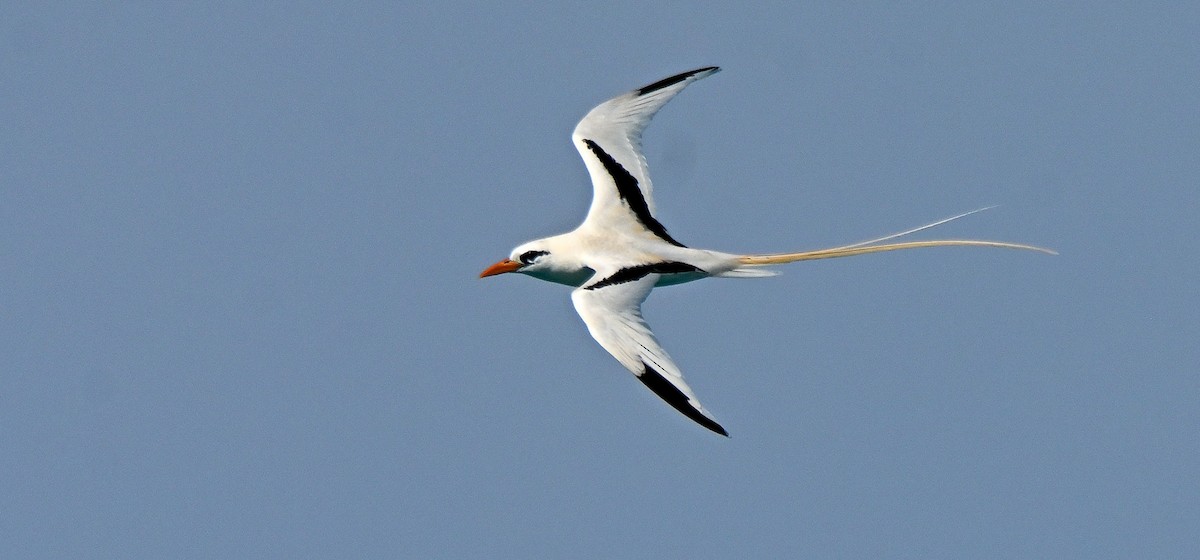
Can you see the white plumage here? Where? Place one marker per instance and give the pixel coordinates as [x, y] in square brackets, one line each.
[621, 252]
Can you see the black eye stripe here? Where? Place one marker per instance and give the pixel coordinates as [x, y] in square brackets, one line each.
[529, 256]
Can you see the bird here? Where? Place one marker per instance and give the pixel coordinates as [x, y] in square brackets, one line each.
[620, 252]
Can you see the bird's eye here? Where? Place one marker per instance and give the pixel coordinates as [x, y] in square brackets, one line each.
[529, 256]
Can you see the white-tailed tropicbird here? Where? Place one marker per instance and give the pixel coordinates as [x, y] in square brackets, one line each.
[621, 251]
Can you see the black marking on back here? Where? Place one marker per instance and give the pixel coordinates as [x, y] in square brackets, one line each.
[634, 273]
[668, 82]
[627, 188]
[674, 397]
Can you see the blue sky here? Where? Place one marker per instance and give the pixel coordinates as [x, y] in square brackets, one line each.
[240, 318]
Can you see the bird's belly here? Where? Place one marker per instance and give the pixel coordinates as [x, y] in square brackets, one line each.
[574, 278]
[679, 278]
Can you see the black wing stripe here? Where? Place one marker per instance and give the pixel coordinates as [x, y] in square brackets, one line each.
[668, 82]
[674, 397]
[635, 273]
[627, 188]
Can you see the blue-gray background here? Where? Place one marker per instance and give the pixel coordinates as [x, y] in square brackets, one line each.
[239, 312]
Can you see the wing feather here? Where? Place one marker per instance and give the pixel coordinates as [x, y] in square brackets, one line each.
[613, 315]
[609, 139]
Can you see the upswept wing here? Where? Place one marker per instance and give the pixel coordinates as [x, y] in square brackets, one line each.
[611, 307]
[609, 138]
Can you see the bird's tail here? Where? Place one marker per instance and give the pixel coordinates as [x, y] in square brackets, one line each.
[877, 246]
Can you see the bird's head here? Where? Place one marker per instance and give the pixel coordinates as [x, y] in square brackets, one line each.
[553, 259]
[526, 259]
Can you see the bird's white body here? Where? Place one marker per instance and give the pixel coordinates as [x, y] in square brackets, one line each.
[620, 252]
[574, 258]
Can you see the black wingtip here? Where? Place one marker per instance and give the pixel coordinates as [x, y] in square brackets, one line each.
[718, 429]
[708, 423]
[674, 397]
[667, 82]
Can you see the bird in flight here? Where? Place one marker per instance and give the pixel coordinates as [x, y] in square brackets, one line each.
[621, 251]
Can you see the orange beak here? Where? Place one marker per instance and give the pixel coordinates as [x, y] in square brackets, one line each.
[500, 268]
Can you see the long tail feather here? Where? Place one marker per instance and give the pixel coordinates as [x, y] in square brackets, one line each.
[871, 246]
[920, 228]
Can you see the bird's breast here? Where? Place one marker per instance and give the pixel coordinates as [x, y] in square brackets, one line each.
[574, 278]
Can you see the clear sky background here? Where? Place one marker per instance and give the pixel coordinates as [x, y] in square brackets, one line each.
[240, 317]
